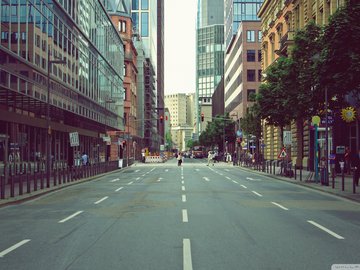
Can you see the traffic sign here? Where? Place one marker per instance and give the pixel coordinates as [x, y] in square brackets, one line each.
[282, 153]
[74, 139]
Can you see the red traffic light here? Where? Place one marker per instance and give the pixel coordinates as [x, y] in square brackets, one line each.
[202, 117]
[161, 118]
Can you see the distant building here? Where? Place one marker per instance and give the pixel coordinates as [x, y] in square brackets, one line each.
[181, 109]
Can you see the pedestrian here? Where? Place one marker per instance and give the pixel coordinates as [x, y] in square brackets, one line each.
[84, 159]
[347, 158]
[234, 158]
[179, 159]
[210, 158]
[228, 157]
[356, 165]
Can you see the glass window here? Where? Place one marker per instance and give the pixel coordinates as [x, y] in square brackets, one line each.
[251, 55]
[135, 19]
[135, 4]
[259, 36]
[259, 55]
[144, 4]
[259, 75]
[250, 36]
[144, 24]
[251, 75]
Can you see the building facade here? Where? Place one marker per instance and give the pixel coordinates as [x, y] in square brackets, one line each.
[279, 22]
[181, 108]
[58, 76]
[209, 55]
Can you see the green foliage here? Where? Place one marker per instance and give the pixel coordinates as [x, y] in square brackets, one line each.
[168, 139]
[190, 144]
[251, 122]
[340, 68]
[222, 127]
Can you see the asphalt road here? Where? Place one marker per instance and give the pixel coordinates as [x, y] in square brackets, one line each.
[161, 216]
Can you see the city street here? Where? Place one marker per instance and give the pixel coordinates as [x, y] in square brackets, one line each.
[161, 216]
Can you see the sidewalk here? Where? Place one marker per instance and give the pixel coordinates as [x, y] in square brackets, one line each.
[309, 182]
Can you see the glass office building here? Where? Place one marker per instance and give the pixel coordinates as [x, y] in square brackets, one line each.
[237, 11]
[86, 90]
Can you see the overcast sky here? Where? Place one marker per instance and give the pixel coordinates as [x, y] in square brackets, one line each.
[180, 23]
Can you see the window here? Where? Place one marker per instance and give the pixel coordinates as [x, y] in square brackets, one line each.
[135, 4]
[122, 26]
[259, 75]
[259, 55]
[250, 94]
[251, 55]
[144, 24]
[250, 36]
[251, 75]
[144, 4]
[259, 36]
[135, 19]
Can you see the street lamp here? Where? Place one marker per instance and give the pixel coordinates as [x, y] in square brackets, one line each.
[48, 126]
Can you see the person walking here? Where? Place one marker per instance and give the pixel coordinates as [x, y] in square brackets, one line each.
[210, 158]
[84, 159]
[179, 159]
[234, 158]
[356, 165]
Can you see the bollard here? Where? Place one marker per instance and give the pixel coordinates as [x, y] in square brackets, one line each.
[2, 186]
[300, 173]
[342, 180]
[12, 185]
[333, 179]
[295, 172]
[354, 185]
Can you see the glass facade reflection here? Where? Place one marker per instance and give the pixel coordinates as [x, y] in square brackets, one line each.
[78, 31]
[237, 11]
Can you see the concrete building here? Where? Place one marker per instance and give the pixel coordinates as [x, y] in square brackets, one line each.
[242, 69]
[181, 108]
[209, 55]
[145, 21]
[121, 17]
[58, 79]
[279, 22]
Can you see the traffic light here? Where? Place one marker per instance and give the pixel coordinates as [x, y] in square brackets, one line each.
[202, 117]
[161, 119]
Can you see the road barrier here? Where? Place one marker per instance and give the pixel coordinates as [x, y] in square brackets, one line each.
[153, 159]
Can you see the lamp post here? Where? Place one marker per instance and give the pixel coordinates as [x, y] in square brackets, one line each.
[326, 139]
[48, 126]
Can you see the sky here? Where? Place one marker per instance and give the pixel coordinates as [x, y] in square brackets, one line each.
[180, 34]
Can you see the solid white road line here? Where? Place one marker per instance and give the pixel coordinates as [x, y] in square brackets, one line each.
[243, 186]
[279, 205]
[187, 262]
[185, 216]
[183, 188]
[228, 178]
[114, 180]
[130, 183]
[183, 198]
[235, 182]
[103, 199]
[120, 188]
[71, 216]
[258, 194]
[12, 248]
[325, 229]
[206, 179]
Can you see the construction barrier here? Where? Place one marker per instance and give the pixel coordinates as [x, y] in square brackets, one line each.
[153, 159]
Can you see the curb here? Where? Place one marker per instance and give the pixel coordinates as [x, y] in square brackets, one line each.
[301, 184]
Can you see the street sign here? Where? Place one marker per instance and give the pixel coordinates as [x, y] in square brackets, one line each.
[239, 134]
[330, 120]
[282, 153]
[74, 139]
[287, 138]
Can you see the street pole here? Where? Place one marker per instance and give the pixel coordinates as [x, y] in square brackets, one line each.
[127, 141]
[326, 138]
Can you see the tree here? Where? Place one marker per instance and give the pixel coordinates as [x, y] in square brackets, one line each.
[340, 67]
[251, 122]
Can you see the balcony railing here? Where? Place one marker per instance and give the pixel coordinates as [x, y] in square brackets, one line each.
[286, 40]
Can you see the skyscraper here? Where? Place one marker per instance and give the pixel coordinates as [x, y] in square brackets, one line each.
[209, 54]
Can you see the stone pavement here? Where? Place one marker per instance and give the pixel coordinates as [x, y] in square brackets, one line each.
[309, 182]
